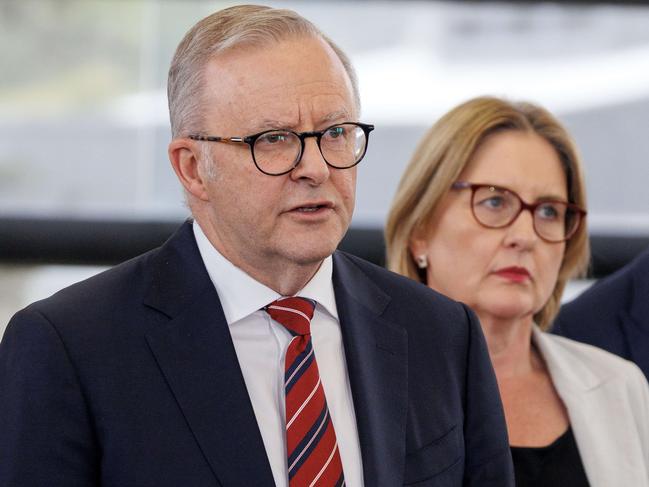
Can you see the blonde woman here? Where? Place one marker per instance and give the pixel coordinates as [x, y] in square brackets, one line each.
[491, 212]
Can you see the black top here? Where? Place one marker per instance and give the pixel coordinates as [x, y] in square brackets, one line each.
[558, 463]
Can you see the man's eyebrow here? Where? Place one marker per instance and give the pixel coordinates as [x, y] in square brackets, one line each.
[269, 124]
[336, 116]
[274, 124]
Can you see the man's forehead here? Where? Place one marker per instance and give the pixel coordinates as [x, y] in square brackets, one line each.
[267, 88]
[291, 114]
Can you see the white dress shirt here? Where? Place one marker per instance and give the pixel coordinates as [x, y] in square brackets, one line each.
[261, 343]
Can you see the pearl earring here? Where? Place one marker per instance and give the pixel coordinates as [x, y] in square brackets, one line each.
[422, 261]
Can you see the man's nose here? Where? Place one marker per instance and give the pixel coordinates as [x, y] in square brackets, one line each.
[312, 165]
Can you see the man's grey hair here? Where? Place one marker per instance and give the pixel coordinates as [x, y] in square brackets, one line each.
[235, 26]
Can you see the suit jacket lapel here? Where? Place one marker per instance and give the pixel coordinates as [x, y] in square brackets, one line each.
[377, 360]
[195, 353]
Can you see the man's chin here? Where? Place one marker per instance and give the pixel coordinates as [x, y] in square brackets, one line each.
[312, 256]
[311, 251]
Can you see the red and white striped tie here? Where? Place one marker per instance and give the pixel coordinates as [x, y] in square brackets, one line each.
[312, 448]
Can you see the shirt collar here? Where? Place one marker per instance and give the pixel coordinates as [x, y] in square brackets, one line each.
[241, 295]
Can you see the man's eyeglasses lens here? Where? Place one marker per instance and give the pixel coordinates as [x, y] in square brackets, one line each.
[554, 221]
[277, 151]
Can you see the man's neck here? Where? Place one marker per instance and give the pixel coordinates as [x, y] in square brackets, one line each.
[285, 278]
[282, 275]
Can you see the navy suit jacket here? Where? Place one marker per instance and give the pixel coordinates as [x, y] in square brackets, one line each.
[130, 378]
[613, 314]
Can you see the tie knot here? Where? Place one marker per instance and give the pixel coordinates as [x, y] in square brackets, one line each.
[293, 313]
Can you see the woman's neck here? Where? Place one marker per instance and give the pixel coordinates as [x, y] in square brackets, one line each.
[510, 345]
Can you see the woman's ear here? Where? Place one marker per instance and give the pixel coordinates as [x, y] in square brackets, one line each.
[417, 243]
[418, 246]
[183, 154]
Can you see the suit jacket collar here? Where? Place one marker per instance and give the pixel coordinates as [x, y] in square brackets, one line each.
[241, 294]
[567, 374]
[376, 351]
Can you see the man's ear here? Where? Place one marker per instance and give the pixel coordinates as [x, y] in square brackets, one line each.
[183, 154]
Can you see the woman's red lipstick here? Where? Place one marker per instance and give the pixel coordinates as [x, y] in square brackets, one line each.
[514, 273]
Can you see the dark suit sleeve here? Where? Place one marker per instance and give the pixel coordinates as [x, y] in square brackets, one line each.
[46, 438]
[488, 457]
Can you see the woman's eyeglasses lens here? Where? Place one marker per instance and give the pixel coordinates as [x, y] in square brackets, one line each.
[494, 207]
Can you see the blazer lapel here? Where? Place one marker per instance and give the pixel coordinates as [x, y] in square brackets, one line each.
[594, 409]
[195, 353]
[377, 360]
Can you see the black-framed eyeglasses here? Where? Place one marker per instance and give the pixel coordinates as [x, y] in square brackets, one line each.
[277, 152]
[492, 206]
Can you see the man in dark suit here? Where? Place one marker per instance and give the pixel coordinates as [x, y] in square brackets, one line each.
[613, 314]
[180, 368]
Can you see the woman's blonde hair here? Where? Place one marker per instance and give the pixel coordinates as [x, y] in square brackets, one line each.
[442, 154]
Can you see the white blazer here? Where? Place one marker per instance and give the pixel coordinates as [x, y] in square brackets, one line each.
[607, 399]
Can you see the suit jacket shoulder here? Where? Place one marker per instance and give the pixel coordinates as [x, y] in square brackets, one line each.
[128, 378]
[621, 290]
[613, 314]
[166, 279]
